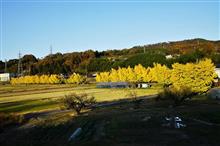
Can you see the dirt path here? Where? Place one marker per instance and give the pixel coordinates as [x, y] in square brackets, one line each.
[44, 114]
[103, 104]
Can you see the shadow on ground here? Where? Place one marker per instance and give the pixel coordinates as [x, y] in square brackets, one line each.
[122, 124]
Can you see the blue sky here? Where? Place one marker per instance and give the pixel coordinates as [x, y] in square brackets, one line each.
[32, 26]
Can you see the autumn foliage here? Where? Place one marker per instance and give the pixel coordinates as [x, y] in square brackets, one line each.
[198, 76]
[75, 79]
[48, 79]
[158, 73]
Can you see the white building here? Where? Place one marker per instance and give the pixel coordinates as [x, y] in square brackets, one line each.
[143, 85]
[217, 71]
[169, 56]
[4, 77]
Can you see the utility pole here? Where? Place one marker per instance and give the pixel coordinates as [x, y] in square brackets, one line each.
[51, 50]
[6, 66]
[20, 70]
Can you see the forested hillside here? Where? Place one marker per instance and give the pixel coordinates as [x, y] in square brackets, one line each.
[94, 61]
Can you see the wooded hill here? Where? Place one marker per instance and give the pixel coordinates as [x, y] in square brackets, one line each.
[94, 61]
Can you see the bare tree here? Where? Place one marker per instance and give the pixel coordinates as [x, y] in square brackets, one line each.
[77, 102]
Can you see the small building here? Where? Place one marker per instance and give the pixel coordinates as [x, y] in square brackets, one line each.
[169, 56]
[113, 85]
[143, 85]
[217, 71]
[94, 75]
[4, 77]
[91, 75]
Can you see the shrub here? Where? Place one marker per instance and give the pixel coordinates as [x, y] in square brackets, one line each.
[9, 119]
[134, 98]
[77, 102]
[177, 95]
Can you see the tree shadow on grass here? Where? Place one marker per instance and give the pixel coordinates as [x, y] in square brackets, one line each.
[26, 105]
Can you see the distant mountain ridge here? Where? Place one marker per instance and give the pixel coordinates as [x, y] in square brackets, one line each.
[87, 61]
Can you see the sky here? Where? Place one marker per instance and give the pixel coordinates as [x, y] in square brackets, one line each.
[31, 27]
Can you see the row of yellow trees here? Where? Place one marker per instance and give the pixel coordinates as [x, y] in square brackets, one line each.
[197, 76]
[48, 79]
[159, 73]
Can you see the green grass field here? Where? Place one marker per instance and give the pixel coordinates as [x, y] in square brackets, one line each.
[34, 98]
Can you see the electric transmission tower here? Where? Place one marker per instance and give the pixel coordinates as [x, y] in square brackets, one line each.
[20, 70]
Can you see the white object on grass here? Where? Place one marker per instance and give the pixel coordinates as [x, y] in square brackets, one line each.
[76, 133]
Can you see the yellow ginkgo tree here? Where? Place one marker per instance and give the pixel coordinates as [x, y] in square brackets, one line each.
[103, 77]
[75, 79]
[196, 76]
[160, 74]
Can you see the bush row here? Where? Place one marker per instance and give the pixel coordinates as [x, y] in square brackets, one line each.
[48, 79]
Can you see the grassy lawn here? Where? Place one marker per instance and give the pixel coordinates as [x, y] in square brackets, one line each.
[34, 98]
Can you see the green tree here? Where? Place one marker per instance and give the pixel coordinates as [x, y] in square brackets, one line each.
[147, 59]
[99, 64]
